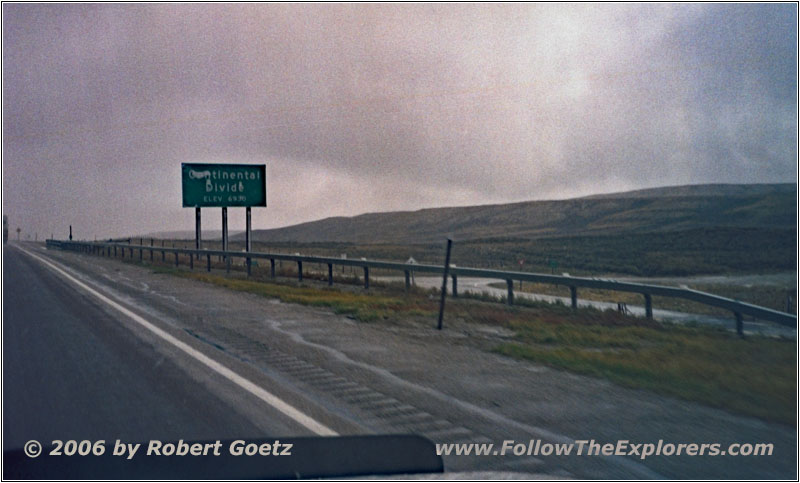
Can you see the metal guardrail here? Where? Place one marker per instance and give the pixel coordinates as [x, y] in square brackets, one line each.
[739, 309]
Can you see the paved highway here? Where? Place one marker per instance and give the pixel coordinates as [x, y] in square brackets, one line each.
[75, 368]
[99, 349]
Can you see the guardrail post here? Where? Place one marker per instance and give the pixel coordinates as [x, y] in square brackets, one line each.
[191, 261]
[249, 268]
[176, 259]
[208, 262]
[739, 324]
[455, 286]
[163, 256]
[227, 264]
[366, 278]
[299, 271]
[648, 306]
[272, 267]
[330, 274]
[510, 286]
[151, 249]
[573, 295]
[115, 251]
[141, 254]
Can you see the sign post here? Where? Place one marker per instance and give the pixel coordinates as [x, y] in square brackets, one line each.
[248, 225]
[225, 230]
[198, 242]
[223, 185]
[247, 236]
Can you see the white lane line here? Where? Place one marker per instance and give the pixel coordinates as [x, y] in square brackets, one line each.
[249, 386]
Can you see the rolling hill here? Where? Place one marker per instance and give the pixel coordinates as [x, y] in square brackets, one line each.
[657, 210]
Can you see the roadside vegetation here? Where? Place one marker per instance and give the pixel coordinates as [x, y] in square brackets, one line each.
[754, 376]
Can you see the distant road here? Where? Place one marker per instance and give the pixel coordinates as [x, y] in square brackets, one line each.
[74, 368]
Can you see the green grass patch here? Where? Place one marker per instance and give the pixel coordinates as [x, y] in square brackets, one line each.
[755, 376]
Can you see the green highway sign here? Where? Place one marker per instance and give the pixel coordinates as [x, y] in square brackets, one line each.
[224, 184]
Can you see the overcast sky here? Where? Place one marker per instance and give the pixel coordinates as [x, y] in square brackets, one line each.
[376, 107]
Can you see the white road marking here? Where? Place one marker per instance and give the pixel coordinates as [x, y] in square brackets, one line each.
[249, 386]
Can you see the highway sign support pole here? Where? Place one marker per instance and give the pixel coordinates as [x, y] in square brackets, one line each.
[225, 229]
[248, 228]
[247, 238]
[198, 234]
[444, 283]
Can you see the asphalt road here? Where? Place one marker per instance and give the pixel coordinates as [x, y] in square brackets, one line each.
[74, 370]
[79, 362]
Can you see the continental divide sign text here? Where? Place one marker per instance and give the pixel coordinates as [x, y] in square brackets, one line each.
[224, 184]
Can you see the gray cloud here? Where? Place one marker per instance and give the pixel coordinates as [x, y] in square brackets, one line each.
[358, 108]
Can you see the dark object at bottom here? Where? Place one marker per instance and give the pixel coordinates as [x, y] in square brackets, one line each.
[311, 457]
